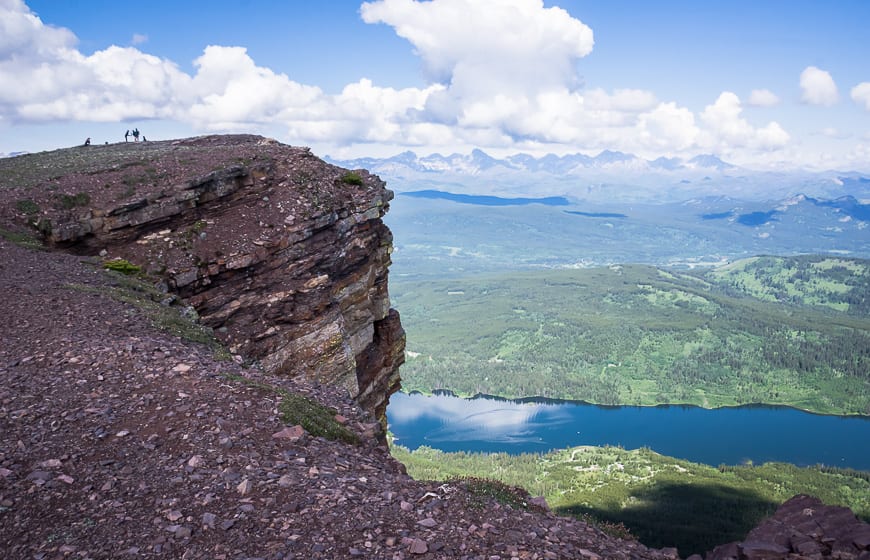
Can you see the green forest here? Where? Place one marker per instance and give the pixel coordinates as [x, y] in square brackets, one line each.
[777, 330]
[662, 501]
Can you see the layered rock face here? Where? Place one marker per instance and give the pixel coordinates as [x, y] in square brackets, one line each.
[283, 255]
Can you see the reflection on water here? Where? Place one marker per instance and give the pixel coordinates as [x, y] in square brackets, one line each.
[450, 419]
[726, 435]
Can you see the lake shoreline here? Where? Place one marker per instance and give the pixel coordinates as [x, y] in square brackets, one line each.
[536, 399]
[749, 434]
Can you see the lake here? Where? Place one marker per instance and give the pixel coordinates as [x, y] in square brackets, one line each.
[487, 200]
[719, 436]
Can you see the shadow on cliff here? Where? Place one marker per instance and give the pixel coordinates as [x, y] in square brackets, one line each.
[695, 518]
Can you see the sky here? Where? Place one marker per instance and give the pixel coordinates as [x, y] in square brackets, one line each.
[772, 84]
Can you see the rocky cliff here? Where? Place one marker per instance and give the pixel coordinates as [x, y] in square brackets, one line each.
[283, 255]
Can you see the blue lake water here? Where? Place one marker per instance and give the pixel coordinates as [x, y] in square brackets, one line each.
[725, 435]
[486, 200]
[756, 218]
[596, 214]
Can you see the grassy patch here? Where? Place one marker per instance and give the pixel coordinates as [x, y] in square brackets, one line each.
[122, 266]
[317, 419]
[27, 206]
[22, 239]
[352, 178]
[497, 490]
[198, 226]
[141, 294]
[70, 201]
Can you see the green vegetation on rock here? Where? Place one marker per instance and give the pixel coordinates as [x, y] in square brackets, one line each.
[129, 286]
[26, 240]
[123, 266]
[636, 334]
[69, 201]
[513, 496]
[317, 419]
[27, 206]
[351, 178]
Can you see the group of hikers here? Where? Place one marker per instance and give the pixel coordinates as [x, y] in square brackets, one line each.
[135, 134]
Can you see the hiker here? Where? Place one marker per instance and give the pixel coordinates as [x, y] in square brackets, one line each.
[136, 134]
[126, 136]
[88, 142]
[144, 139]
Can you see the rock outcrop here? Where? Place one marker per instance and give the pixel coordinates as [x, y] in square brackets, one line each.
[802, 528]
[283, 255]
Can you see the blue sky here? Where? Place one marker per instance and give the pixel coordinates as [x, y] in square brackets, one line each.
[766, 84]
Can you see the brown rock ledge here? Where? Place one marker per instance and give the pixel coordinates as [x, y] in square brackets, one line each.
[283, 255]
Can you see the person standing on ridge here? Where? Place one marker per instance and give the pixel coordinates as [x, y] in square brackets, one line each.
[126, 136]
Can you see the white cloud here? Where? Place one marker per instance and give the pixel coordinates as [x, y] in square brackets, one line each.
[229, 91]
[818, 87]
[504, 75]
[728, 130]
[762, 98]
[23, 35]
[497, 45]
[139, 38]
[667, 128]
[861, 94]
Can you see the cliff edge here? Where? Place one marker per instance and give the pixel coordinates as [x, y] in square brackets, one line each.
[284, 256]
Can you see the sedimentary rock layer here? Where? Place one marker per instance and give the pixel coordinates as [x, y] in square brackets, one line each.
[283, 255]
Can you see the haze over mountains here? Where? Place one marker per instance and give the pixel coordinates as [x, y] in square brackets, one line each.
[607, 177]
[460, 213]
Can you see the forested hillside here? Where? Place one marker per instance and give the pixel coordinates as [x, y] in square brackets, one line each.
[661, 500]
[793, 331]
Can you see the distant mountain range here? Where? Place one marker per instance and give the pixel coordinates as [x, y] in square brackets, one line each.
[478, 161]
[608, 176]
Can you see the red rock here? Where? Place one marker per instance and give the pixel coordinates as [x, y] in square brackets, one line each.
[290, 433]
[244, 487]
[418, 546]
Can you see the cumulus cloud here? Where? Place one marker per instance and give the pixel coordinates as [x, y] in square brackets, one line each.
[818, 87]
[503, 73]
[727, 130]
[23, 35]
[667, 128]
[489, 44]
[762, 98]
[861, 94]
